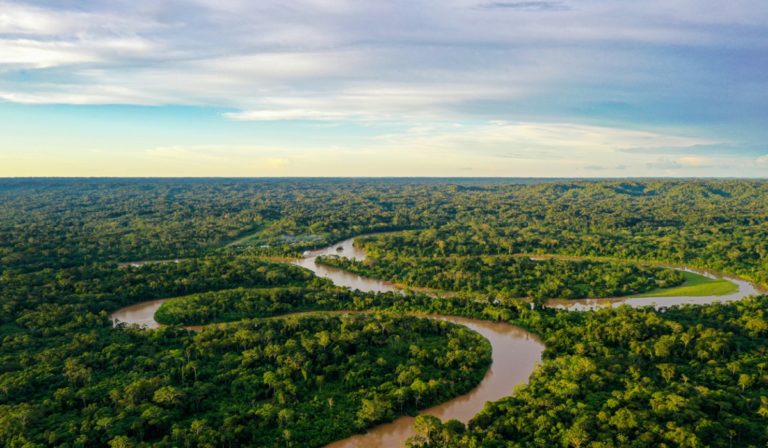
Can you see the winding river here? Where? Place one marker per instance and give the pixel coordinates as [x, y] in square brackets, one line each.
[745, 289]
[515, 351]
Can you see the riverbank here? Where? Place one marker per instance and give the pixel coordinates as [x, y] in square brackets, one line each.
[513, 360]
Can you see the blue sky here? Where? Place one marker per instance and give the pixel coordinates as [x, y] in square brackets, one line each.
[358, 88]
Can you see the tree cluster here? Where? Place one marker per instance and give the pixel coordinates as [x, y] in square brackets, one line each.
[511, 276]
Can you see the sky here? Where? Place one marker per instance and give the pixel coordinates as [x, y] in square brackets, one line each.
[531, 88]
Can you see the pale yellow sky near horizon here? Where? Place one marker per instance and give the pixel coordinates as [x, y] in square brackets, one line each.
[348, 88]
[496, 149]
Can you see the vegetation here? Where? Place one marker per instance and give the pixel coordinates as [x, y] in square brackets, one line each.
[693, 376]
[41, 300]
[689, 376]
[292, 382]
[240, 303]
[64, 223]
[510, 276]
[717, 224]
[696, 285]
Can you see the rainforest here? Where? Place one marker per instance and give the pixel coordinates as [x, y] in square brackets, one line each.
[374, 312]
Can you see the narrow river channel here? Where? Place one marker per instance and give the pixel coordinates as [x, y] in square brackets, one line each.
[745, 289]
[515, 351]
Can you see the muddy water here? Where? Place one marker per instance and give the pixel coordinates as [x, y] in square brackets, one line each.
[142, 313]
[746, 289]
[340, 277]
[515, 351]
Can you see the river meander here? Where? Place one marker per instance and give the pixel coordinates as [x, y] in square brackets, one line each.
[515, 351]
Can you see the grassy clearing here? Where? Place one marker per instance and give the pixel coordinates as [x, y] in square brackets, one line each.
[695, 285]
[262, 237]
[247, 239]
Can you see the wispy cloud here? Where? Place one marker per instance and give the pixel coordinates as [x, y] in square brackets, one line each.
[709, 149]
[531, 140]
[611, 168]
[687, 163]
[234, 53]
[664, 165]
[541, 5]
[373, 102]
[592, 83]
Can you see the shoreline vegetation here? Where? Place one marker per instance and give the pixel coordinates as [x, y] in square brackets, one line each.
[695, 285]
[692, 284]
[690, 376]
[513, 276]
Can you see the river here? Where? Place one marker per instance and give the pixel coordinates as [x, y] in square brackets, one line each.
[745, 289]
[515, 352]
[514, 356]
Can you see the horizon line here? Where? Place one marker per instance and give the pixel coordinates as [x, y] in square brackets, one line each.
[388, 177]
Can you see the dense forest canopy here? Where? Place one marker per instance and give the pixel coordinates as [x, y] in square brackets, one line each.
[510, 276]
[286, 382]
[719, 224]
[690, 376]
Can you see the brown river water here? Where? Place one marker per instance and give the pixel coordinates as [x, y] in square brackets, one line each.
[745, 289]
[515, 351]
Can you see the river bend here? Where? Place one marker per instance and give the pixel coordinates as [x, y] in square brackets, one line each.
[515, 352]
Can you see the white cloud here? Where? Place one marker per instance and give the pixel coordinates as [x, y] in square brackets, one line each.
[24, 19]
[81, 95]
[531, 140]
[285, 114]
[427, 65]
[429, 148]
[370, 102]
[253, 55]
[664, 165]
[34, 54]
